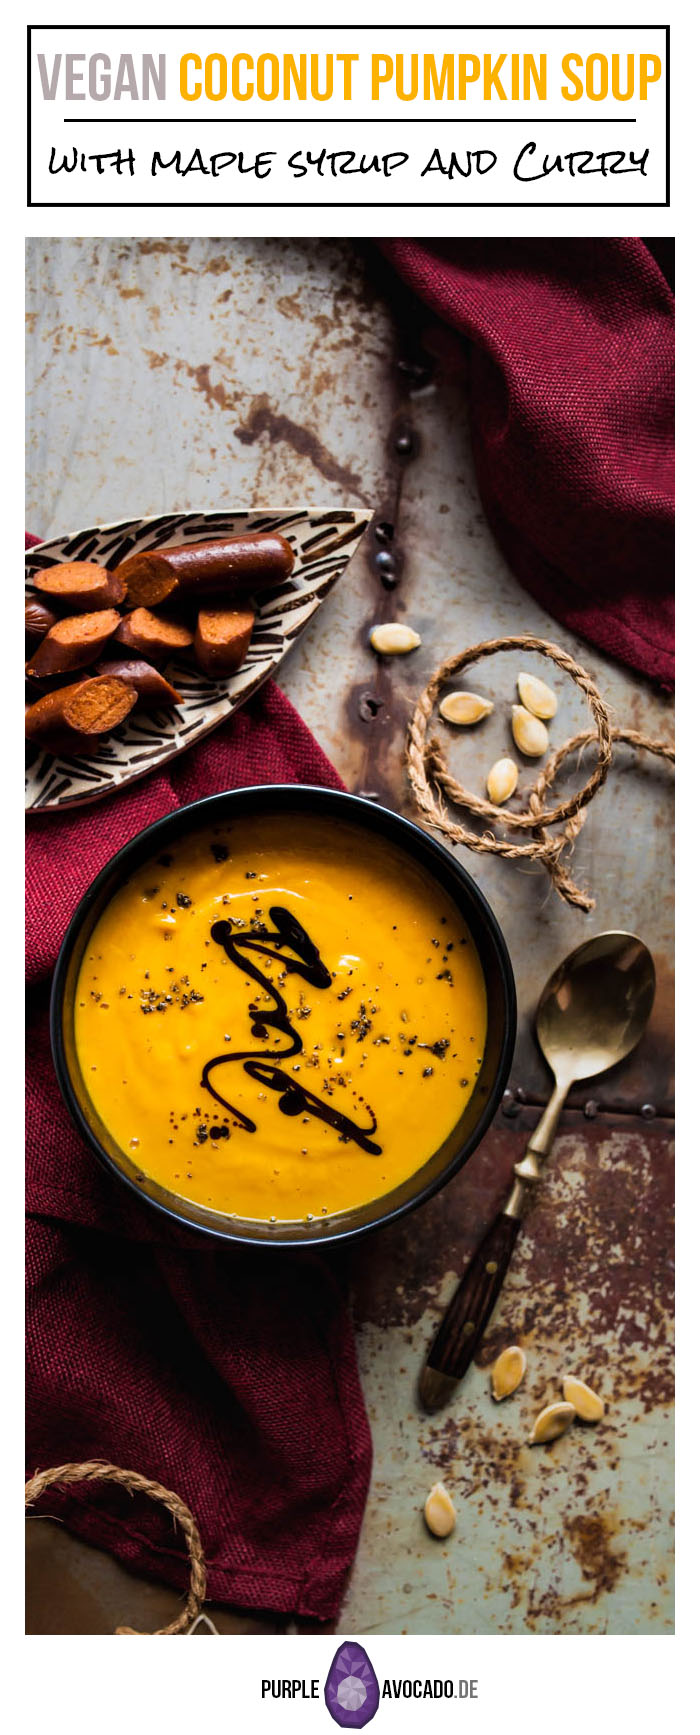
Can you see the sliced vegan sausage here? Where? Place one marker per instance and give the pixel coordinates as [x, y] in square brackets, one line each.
[152, 636]
[222, 639]
[74, 719]
[154, 692]
[81, 585]
[73, 643]
[228, 568]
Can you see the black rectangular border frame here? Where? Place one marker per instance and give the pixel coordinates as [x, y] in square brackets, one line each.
[345, 205]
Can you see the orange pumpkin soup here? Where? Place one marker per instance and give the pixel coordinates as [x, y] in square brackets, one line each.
[280, 1019]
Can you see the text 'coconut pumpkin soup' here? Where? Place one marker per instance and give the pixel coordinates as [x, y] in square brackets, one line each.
[280, 1019]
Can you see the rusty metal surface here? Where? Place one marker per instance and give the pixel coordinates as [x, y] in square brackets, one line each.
[166, 374]
[574, 1537]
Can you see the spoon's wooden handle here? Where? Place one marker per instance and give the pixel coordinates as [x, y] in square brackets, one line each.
[468, 1314]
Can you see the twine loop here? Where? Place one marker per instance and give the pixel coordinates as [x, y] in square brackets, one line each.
[432, 780]
[95, 1471]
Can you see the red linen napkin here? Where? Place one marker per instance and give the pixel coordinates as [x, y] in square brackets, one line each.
[228, 1376]
[571, 407]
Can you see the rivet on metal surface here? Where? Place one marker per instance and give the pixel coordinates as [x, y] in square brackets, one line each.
[509, 1106]
[419, 376]
[491, 1267]
[368, 707]
[590, 1109]
[648, 1111]
[386, 567]
[384, 532]
[418, 372]
[404, 445]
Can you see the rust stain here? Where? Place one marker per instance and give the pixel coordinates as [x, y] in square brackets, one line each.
[324, 325]
[289, 307]
[177, 251]
[600, 1228]
[128, 294]
[590, 1535]
[94, 342]
[516, 1569]
[476, 1459]
[262, 420]
[150, 245]
[215, 267]
[213, 394]
[280, 429]
[325, 381]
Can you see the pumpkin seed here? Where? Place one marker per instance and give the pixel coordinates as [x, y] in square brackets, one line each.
[529, 733]
[464, 708]
[501, 781]
[439, 1512]
[536, 696]
[552, 1421]
[507, 1371]
[586, 1402]
[393, 639]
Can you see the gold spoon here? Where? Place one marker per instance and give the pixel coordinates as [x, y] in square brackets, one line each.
[591, 1014]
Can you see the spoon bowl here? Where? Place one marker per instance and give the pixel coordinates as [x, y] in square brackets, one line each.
[596, 1005]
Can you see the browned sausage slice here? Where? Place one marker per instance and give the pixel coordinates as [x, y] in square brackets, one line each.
[80, 585]
[38, 619]
[74, 719]
[230, 568]
[152, 636]
[73, 643]
[222, 639]
[154, 692]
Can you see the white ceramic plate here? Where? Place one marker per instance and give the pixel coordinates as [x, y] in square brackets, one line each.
[323, 543]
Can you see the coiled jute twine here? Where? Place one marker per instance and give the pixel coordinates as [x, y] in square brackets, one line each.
[432, 780]
[94, 1471]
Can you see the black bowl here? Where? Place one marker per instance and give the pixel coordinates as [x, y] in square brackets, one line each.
[495, 963]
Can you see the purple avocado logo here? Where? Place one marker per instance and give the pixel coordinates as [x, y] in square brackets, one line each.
[352, 1689]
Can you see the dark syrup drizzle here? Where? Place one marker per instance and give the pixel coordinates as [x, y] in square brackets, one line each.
[294, 1098]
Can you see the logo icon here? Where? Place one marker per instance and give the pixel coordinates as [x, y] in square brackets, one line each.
[352, 1689]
